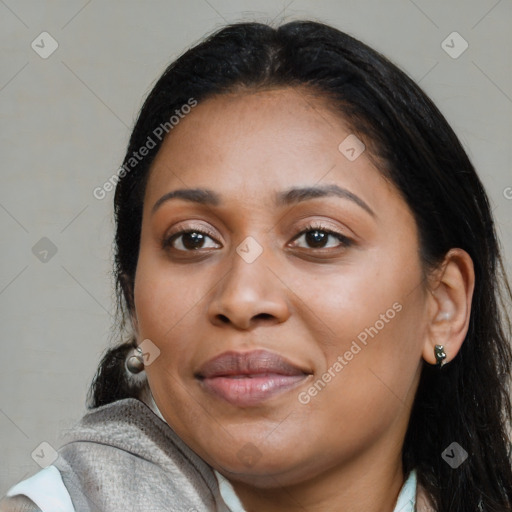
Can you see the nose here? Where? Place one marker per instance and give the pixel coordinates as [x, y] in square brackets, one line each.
[250, 294]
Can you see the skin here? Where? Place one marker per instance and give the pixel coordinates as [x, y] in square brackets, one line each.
[342, 449]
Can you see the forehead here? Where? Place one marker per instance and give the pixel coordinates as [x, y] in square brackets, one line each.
[255, 142]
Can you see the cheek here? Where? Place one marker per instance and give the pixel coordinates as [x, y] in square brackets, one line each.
[367, 321]
[162, 294]
[361, 298]
[166, 303]
[366, 387]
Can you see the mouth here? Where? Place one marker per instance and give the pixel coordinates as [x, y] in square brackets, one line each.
[246, 379]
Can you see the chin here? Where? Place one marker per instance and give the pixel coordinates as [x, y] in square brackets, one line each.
[265, 467]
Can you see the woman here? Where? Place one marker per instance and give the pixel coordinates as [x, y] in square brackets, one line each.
[309, 275]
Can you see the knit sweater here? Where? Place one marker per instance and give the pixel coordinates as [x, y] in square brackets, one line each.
[123, 457]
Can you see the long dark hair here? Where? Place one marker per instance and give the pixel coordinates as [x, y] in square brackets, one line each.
[468, 400]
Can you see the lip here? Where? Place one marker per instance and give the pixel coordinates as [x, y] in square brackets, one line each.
[246, 379]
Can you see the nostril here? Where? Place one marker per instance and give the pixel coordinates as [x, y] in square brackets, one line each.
[263, 316]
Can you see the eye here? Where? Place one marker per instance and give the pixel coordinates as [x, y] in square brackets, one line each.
[190, 240]
[319, 237]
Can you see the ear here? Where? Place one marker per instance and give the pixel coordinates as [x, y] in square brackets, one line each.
[449, 307]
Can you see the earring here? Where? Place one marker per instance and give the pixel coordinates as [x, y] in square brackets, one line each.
[135, 363]
[440, 355]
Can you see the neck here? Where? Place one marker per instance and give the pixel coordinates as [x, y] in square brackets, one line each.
[362, 485]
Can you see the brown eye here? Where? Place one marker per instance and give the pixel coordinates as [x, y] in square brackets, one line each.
[190, 241]
[316, 238]
[193, 240]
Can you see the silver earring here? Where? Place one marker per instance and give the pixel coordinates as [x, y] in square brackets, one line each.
[440, 355]
[135, 363]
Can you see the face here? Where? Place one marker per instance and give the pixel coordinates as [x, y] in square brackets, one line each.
[281, 282]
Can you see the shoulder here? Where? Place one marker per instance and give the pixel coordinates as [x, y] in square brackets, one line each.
[121, 453]
[114, 459]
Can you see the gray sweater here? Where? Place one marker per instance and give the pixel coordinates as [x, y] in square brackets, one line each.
[122, 457]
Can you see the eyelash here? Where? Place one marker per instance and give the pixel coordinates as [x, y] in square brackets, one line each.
[345, 242]
[168, 241]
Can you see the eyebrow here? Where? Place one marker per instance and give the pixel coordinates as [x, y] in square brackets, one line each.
[298, 194]
[287, 197]
[195, 195]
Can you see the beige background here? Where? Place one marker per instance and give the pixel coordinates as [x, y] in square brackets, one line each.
[65, 124]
